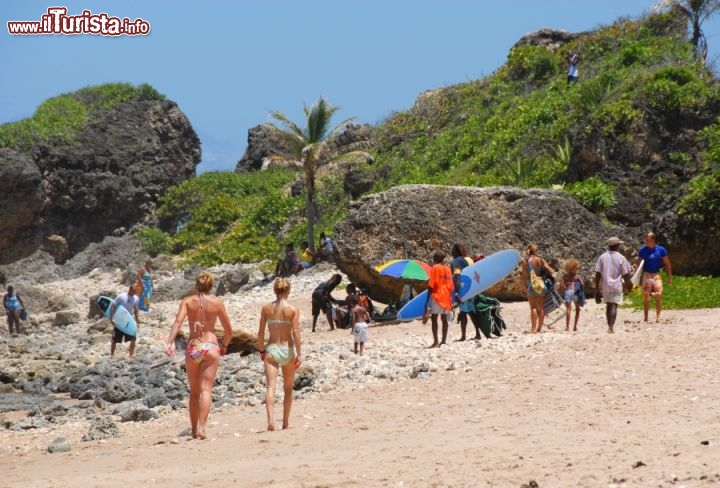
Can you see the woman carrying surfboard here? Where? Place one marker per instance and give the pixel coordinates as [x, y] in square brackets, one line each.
[202, 356]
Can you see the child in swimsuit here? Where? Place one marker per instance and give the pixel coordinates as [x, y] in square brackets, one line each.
[360, 324]
[572, 286]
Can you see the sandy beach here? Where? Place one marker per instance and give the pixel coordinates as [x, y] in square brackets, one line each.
[637, 408]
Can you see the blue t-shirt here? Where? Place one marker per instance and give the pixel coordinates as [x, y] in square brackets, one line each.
[653, 258]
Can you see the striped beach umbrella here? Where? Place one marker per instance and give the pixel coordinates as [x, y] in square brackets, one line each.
[405, 268]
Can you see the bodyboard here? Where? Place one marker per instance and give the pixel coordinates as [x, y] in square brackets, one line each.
[122, 319]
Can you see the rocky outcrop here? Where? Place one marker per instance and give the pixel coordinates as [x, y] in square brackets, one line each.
[266, 140]
[61, 196]
[263, 141]
[550, 39]
[411, 222]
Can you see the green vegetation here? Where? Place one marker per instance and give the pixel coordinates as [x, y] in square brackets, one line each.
[685, 292]
[62, 117]
[518, 125]
[703, 196]
[226, 217]
[313, 151]
[594, 194]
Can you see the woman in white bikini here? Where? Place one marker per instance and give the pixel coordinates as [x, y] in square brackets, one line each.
[282, 349]
[202, 356]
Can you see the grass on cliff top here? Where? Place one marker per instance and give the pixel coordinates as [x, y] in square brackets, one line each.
[62, 117]
[685, 292]
[517, 126]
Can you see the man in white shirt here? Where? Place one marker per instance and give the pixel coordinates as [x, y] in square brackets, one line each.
[614, 270]
[130, 301]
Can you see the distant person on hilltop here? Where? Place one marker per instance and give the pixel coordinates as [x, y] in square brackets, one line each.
[573, 59]
[13, 309]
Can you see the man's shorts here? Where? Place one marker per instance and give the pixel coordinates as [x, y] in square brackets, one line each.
[120, 336]
[613, 297]
[468, 306]
[318, 305]
[436, 309]
[652, 283]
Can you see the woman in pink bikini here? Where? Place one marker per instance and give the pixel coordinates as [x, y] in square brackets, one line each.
[202, 356]
[282, 349]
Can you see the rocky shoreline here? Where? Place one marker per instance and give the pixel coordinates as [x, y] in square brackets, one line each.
[61, 371]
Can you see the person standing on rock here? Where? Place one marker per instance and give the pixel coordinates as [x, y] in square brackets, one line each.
[461, 261]
[282, 349]
[202, 356]
[614, 270]
[129, 300]
[536, 298]
[322, 300]
[655, 257]
[13, 308]
[144, 285]
[439, 297]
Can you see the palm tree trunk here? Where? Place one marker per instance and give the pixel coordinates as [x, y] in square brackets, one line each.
[310, 212]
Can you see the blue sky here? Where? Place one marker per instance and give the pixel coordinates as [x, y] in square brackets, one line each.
[227, 63]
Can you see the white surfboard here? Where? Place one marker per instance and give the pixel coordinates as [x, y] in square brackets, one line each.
[637, 277]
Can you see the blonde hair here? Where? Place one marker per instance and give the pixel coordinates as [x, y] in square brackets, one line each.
[204, 282]
[532, 249]
[651, 235]
[572, 266]
[281, 285]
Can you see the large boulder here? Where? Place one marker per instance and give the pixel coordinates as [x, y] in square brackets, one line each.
[412, 221]
[266, 140]
[104, 181]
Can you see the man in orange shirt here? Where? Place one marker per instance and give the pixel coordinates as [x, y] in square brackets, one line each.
[440, 288]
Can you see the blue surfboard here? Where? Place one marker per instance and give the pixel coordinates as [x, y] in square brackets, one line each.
[474, 279]
[122, 319]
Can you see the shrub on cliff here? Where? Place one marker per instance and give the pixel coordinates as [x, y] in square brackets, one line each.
[65, 115]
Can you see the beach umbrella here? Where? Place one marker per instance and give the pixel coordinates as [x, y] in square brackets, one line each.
[405, 268]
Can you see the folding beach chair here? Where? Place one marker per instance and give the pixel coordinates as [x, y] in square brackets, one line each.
[554, 304]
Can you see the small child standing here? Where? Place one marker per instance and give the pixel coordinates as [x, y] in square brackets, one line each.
[572, 286]
[360, 318]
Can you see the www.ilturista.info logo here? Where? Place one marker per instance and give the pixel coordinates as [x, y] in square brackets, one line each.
[57, 21]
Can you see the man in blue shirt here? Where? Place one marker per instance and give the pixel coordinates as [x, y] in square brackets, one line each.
[655, 257]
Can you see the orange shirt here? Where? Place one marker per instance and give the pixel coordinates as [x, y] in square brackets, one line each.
[441, 285]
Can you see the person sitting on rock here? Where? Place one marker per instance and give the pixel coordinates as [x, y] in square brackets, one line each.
[326, 248]
[290, 264]
[307, 257]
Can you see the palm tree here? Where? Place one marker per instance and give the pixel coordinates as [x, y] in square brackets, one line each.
[696, 12]
[315, 147]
